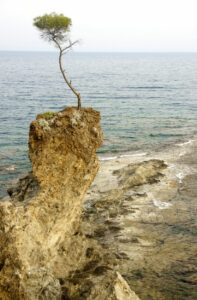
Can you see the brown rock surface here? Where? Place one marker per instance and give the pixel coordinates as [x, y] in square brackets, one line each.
[40, 232]
[45, 255]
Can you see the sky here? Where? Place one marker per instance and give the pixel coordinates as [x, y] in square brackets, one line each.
[104, 25]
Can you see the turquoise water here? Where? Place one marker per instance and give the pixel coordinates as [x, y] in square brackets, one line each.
[146, 99]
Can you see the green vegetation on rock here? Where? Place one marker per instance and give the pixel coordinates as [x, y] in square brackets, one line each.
[48, 114]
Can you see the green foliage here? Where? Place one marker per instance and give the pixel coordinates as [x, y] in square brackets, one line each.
[48, 114]
[53, 26]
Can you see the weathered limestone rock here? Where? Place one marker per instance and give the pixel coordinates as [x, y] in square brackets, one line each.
[110, 286]
[40, 236]
[122, 290]
[45, 254]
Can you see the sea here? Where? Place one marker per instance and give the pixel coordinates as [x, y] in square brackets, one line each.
[146, 100]
[148, 105]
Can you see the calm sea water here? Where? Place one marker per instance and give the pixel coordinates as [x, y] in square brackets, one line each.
[146, 99]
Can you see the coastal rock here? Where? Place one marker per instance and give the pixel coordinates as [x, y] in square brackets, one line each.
[104, 283]
[26, 188]
[45, 253]
[40, 235]
[142, 210]
[119, 289]
[122, 290]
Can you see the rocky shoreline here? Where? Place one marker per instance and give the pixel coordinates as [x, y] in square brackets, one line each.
[143, 210]
[132, 237]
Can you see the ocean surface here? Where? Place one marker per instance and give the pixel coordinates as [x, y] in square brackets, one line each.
[146, 100]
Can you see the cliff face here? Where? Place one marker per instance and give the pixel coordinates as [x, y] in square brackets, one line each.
[45, 252]
[40, 234]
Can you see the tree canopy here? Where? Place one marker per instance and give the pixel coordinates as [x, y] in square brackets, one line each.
[53, 26]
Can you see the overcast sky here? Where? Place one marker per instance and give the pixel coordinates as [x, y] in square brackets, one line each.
[104, 25]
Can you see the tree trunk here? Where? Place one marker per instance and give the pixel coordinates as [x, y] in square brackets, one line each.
[69, 83]
[79, 101]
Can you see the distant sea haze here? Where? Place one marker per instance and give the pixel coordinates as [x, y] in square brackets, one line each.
[146, 100]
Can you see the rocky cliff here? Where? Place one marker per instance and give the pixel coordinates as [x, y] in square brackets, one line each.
[42, 245]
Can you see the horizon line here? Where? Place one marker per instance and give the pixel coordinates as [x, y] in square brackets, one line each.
[56, 51]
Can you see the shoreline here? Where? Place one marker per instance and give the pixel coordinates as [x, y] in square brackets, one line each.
[145, 224]
[169, 154]
[13, 173]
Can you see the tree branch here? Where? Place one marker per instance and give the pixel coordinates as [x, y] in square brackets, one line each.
[70, 45]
